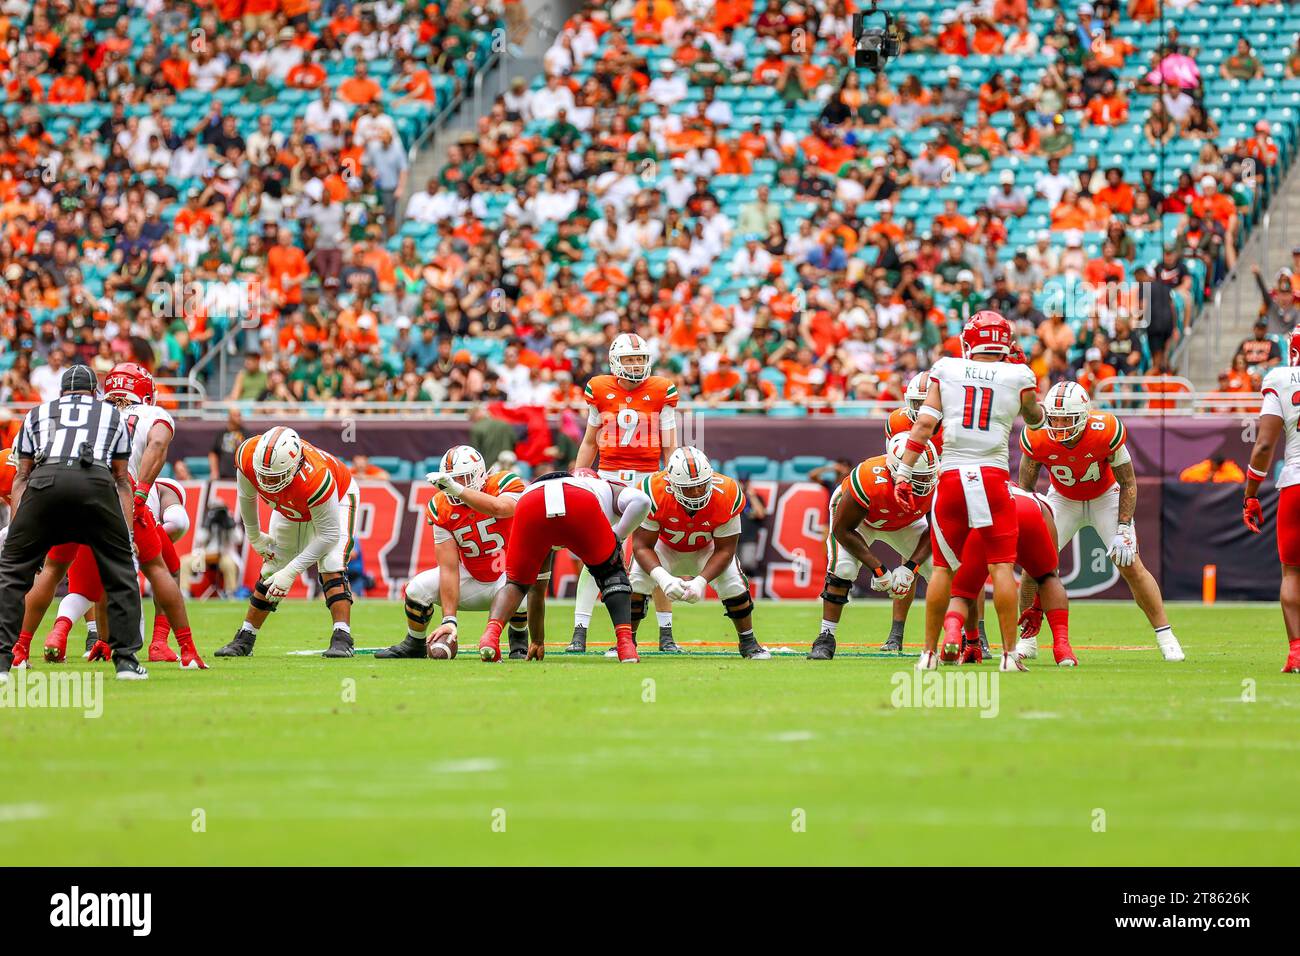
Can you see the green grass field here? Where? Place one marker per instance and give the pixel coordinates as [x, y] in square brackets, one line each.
[299, 760]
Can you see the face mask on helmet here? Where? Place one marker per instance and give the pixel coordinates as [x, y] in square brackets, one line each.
[693, 497]
[634, 368]
[1065, 426]
[274, 481]
[924, 478]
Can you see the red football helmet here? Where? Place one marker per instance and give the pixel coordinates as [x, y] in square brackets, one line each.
[987, 333]
[131, 382]
[1294, 350]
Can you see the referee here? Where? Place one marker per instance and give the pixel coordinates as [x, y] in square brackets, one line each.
[72, 485]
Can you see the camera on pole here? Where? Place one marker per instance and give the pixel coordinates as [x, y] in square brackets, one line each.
[873, 47]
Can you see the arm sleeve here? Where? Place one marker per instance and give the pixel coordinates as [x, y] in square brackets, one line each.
[593, 416]
[668, 419]
[325, 522]
[728, 530]
[248, 505]
[633, 506]
[1272, 405]
[1121, 456]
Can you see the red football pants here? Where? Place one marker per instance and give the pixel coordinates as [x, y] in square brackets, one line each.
[1035, 551]
[583, 529]
[951, 516]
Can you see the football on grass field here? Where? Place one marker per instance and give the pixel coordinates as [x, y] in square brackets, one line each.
[699, 759]
[443, 649]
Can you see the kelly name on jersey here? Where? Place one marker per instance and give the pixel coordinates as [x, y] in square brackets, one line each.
[1081, 471]
[630, 420]
[870, 486]
[481, 539]
[683, 530]
[319, 476]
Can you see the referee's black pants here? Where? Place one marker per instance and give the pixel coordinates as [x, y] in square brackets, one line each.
[70, 503]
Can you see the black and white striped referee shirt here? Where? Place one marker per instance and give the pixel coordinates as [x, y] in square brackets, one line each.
[58, 432]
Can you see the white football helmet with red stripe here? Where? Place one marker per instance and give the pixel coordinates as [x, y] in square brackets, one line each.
[690, 477]
[1067, 407]
[277, 456]
[914, 396]
[1294, 350]
[466, 466]
[623, 356]
[925, 471]
[130, 383]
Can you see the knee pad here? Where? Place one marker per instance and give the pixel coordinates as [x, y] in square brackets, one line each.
[420, 614]
[611, 576]
[638, 608]
[835, 581]
[335, 588]
[421, 589]
[176, 521]
[738, 607]
[258, 601]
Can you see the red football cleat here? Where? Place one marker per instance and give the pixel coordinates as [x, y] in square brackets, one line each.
[1064, 654]
[1292, 659]
[161, 653]
[950, 649]
[489, 648]
[627, 651]
[100, 652]
[971, 652]
[56, 642]
[190, 659]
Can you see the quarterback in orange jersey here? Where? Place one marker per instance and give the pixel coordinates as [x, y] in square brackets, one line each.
[1092, 484]
[632, 426]
[863, 510]
[471, 516]
[688, 541]
[902, 419]
[313, 515]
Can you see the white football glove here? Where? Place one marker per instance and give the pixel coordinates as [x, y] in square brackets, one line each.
[674, 588]
[1124, 546]
[903, 579]
[695, 589]
[278, 584]
[883, 583]
[263, 544]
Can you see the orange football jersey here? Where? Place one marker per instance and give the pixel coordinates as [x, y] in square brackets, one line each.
[1080, 471]
[481, 538]
[870, 486]
[321, 475]
[628, 420]
[8, 472]
[684, 530]
[900, 424]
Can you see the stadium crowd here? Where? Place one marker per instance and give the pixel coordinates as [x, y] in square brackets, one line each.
[763, 257]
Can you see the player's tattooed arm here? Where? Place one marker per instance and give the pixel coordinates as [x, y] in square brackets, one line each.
[1029, 472]
[1030, 409]
[1128, 491]
[1261, 456]
[125, 490]
[844, 528]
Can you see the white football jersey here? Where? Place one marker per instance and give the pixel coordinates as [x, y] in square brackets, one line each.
[1281, 394]
[981, 401]
[553, 490]
[140, 420]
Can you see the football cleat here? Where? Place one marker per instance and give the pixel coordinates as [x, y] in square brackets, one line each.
[489, 648]
[972, 652]
[56, 647]
[1011, 663]
[984, 645]
[1169, 647]
[161, 653]
[666, 643]
[951, 646]
[517, 639]
[1293, 659]
[21, 651]
[751, 650]
[1064, 654]
[190, 659]
[240, 646]
[1027, 648]
[340, 644]
[928, 661]
[128, 668]
[100, 652]
[92, 638]
[893, 645]
[823, 649]
[579, 643]
[407, 647]
[625, 649]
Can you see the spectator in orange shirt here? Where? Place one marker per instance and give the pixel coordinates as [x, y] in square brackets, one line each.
[176, 69]
[1117, 195]
[192, 214]
[363, 467]
[1109, 107]
[717, 385]
[987, 40]
[1070, 214]
[286, 268]
[359, 89]
[307, 75]
[1094, 371]
[802, 377]
[1214, 204]
[952, 39]
[1216, 469]
[68, 88]
[1261, 147]
[259, 16]
[416, 84]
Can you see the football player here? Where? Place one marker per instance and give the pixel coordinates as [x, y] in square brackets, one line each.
[471, 514]
[1037, 555]
[132, 389]
[590, 517]
[313, 515]
[978, 398]
[1277, 420]
[902, 419]
[863, 510]
[1092, 484]
[632, 426]
[688, 542]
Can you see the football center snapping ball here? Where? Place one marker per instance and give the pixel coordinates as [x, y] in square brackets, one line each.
[442, 649]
